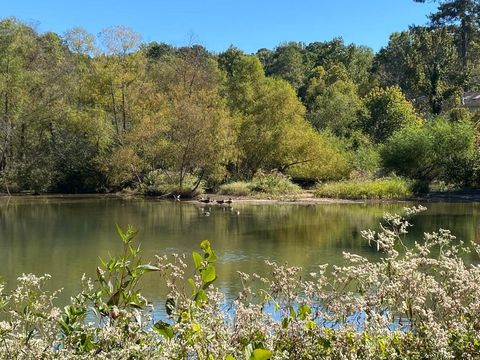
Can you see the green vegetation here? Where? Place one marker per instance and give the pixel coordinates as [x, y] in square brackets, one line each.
[383, 188]
[81, 113]
[274, 184]
[439, 150]
[411, 303]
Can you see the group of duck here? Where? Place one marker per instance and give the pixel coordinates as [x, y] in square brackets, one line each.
[207, 200]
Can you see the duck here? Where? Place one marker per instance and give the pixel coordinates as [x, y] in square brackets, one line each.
[229, 201]
[220, 201]
[205, 201]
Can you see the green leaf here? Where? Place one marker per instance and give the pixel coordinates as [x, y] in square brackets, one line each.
[148, 267]
[292, 312]
[120, 232]
[197, 260]
[209, 274]
[115, 299]
[303, 312]
[261, 354]
[163, 329]
[207, 249]
[193, 285]
[229, 357]
[200, 297]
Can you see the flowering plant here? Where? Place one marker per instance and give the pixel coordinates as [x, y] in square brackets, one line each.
[419, 302]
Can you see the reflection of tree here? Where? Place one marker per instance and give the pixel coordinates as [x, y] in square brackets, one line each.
[65, 236]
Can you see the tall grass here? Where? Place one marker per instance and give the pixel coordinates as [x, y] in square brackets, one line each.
[386, 188]
[275, 184]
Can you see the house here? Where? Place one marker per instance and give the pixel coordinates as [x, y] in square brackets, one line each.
[471, 100]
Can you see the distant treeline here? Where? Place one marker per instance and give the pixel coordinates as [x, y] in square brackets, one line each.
[83, 113]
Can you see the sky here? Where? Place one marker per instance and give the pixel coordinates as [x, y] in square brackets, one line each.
[216, 24]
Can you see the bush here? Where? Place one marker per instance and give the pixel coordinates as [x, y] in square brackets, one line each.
[419, 303]
[325, 159]
[157, 183]
[273, 183]
[387, 111]
[440, 150]
[237, 188]
[387, 188]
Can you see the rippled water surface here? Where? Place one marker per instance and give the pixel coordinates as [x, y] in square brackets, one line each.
[64, 236]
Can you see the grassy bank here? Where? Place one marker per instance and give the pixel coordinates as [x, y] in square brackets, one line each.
[273, 184]
[386, 188]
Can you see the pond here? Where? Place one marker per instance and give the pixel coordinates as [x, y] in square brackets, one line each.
[64, 236]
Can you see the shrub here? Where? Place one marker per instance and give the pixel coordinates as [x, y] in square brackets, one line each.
[387, 111]
[157, 183]
[324, 158]
[387, 188]
[273, 183]
[237, 188]
[440, 150]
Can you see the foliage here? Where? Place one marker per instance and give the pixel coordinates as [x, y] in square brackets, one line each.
[415, 302]
[84, 113]
[424, 63]
[332, 100]
[385, 188]
[439, 150]
[167, 183]
[273, 183]
[387, 112]
[236, 188]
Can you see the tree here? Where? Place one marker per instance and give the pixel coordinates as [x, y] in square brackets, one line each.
[288, 62]
[462, 13]
[438, 150]
[185, 130]
[387, 112]
[332, 100]
[356, 59]
[425, 64]
[120, 67]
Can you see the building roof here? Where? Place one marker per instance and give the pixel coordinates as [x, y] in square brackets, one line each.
[471, 99]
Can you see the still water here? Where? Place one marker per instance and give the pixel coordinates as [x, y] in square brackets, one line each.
[64, 236]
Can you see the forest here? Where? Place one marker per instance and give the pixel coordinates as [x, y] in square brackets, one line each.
[102, 113]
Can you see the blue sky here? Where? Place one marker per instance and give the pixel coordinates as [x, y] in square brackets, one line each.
[247, 24]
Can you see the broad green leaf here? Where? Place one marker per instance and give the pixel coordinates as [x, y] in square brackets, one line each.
[303, 312]
[193, 285]
[197, 260]
[209, 274]
[200, 297]
[261, 354]
[163, 329]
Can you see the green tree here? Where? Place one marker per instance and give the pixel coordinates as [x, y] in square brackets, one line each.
[332, 100]
[424, 63]
[387, 111]
[462, 13]
[438, 150]
[288, 62]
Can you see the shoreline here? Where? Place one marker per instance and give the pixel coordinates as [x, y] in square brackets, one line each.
[305, 198]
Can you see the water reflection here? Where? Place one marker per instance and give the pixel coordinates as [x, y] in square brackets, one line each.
[65, 236]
